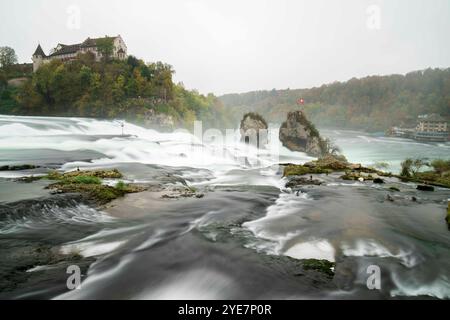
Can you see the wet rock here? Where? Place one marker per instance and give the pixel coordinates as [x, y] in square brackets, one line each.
[28, 179]
[324, 266]
[301, 181]
[181, 192]
[253, 129]
[378, 180]
[394, 189]
[18, 167]
[297, 133]
[355, 166]
[447, 218]
[331, 162]
[424, 187]
[389, 198]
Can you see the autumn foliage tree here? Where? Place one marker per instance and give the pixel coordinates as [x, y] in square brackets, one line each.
[114, 88]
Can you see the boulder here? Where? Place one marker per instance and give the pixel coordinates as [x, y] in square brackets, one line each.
[297, 133]
[254, 130]
[425, 187]
[301, 181]
[332, 162]
[378, 180]
[447, 218]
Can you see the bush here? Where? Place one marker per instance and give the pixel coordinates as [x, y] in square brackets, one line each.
[440, 166]
[120, 185]
[406, 167]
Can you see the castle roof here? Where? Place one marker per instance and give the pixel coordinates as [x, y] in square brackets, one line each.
[39, 51]
[92, 42]
[66, 49]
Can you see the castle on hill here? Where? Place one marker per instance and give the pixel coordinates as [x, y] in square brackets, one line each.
[69, 52]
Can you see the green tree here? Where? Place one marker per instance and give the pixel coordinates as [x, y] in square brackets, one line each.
[8, 57]
[406, 167]
[440, 165]
[3, 81]
[105, 47]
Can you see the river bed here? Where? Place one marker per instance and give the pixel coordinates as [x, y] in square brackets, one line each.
[242, 240]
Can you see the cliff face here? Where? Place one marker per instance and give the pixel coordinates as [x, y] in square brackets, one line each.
[298, 134]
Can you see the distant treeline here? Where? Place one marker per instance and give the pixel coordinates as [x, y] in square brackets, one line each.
[129, 89]
[372, 103]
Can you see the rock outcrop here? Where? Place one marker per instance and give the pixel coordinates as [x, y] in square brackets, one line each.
[297, 133]
[159, 121]
[254, 130]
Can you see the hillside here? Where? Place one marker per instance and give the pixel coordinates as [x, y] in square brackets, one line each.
[372, 103]
[129, 89]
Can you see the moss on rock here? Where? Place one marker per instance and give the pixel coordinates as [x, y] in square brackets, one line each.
[324, 266]
[89, 185]
[99, 193]
[299, 170]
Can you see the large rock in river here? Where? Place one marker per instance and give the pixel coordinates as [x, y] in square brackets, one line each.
[254, 130]
[297, 133]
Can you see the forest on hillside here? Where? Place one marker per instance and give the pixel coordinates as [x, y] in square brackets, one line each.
[129, 89]
[372, 103]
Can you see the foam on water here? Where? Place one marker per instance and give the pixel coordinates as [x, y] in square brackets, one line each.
[49, 216]
[147, 146]
[370, 248]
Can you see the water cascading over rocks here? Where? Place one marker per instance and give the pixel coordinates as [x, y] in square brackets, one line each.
[254, 130]
[297, 133]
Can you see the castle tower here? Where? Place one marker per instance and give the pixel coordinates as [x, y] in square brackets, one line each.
[38, 58]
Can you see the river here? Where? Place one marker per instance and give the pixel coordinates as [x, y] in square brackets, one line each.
[242, 240]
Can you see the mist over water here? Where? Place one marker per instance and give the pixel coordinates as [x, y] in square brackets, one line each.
[241, 240]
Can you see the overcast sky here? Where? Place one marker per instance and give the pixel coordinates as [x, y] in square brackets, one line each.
[241, 45]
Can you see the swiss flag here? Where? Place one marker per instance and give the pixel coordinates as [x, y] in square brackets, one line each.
[300, 101]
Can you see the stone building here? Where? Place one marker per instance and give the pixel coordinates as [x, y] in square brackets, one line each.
[66, 52]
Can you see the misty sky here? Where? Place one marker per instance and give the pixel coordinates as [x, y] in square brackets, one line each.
[241, 45]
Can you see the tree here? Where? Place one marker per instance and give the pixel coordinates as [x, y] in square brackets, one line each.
[406, 167]
[3, 81]
[440, 166]
[105, 47]
[417, 164]
[8, 57]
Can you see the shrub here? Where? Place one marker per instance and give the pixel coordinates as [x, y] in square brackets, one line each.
[440, 165]
[406, 167]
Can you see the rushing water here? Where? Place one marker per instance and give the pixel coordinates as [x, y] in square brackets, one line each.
[241, 240]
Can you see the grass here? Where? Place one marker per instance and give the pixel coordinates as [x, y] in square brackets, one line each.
[86, 180]
[120, 185]
[429, 177]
